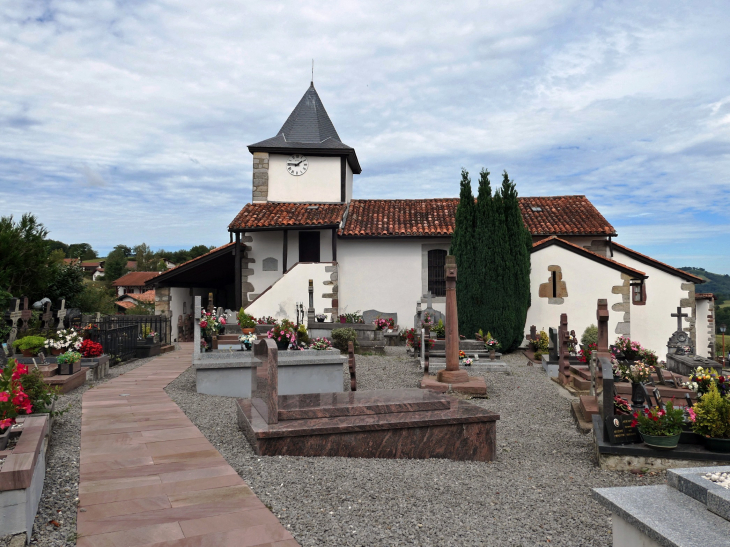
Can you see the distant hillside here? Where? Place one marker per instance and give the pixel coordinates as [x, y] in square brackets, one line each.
[718, 284]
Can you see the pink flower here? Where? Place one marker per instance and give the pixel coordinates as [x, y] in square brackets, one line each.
[223, 320]
[4, 397]
[203, 324]
[7, 422]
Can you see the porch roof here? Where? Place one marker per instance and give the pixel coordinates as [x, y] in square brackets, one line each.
[272, 215]
[213, 269]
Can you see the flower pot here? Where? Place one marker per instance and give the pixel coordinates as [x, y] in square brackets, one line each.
[28, 353]
[492, 354]
[714, 444]
[343, 320]
[248, 331]
[320, 320]
[282, 345]
[55, 351]
[661, 442]
[637, 396]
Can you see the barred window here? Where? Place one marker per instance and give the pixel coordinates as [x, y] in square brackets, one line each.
[436, 276]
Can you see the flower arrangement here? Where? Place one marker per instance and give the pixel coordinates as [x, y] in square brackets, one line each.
[355, 317]
[659, 422]
[13, 399]
[491, 343]
[247, 340]
[381, 324]
[320, 317]
[439, 329]
[701, 380]
[203, 345]
[89, 348]
[620, 370]
[467, 361]
[639, 373]
[70, 357]
[413, 338]
[267, 320]
[245, 320]
[284, 331]
[462, 355]
[427, 320]
[586, 352]
[151, 334]
[621, 405]
[210, 325]
[320, 344]
[630, 350]
[63, 340]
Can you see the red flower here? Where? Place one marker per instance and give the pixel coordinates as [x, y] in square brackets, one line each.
[19, 371]
[634, 423]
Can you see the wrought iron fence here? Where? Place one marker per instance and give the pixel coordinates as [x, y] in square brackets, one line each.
[120, 343]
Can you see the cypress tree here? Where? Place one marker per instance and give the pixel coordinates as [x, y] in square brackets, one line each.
[462, 248]
[484, 248]
[518, 243]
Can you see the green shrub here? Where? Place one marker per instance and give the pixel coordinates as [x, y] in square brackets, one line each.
[303, 335]
[538, 355]
[30, 343]
[245, 320]
[712, 415]
[590, 336]
[439, 330]
[41, 394]
[340, 338]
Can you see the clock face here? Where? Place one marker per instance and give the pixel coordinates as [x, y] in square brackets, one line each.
[297, 165]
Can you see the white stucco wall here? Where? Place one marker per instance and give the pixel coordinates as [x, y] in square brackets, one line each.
[704, 338]
[586, 282]
[384, 275]
[321, 182]
[270, 244]
[280, 300]
[348, 183]
[652, 324]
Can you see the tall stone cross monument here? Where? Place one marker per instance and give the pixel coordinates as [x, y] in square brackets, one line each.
[452, 374]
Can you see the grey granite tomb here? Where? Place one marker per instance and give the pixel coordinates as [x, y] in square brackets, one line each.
[688, 511]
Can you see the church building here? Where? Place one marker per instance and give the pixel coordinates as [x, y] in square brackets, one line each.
[303, 224]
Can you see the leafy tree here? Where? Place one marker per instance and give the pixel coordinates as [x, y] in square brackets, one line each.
[116, 263]
[67, 282]
[199, 250]
[161, 266]
[96, 297]
[463, 250]
[82, 251]
[146, 260]
[23, 256]
[56, 256]
[54, 245]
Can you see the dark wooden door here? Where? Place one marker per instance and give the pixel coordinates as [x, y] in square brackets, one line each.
[308, 246]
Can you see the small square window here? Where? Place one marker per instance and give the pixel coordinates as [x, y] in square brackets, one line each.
[638, 294]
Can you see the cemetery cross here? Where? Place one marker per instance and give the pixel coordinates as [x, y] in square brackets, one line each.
[60, 314]
[679, 315]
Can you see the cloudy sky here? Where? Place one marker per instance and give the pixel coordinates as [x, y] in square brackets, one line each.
[128, 121]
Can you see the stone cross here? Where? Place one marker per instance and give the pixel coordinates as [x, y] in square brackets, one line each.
[60, 314]
[679, 316]
[533, 336]
[428, 300]
[26, 313]
[13, 316]
[196, 327]
[210, 302]
[563, 341]
[47, 318]
[351, 365]
[452, 374]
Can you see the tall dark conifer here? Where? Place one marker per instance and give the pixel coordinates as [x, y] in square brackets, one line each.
[484, 246]
[462, 249]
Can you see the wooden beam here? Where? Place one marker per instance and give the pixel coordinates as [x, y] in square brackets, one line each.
[286, 243]
[238, 296]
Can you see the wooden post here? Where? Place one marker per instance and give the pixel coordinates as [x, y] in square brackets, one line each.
[237, 257]
[286, 251]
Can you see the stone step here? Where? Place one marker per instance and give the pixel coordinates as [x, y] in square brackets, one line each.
[67, 382]
[624, 390]
[48, 370]
[581, 384]
[581, 370]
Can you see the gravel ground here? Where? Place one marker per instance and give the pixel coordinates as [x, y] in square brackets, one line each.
[536, 492]
[61, 486]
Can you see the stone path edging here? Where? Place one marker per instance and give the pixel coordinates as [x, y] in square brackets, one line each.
[150, 478]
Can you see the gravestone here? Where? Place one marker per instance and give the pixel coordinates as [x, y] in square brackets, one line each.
[270, 264]
[554, 345]
[60, 314]
[680, 342]
[533, 336]
[563, 341]
[12, 316]
[46, 317]
[266, 351]
[351, 366]
[369, 316]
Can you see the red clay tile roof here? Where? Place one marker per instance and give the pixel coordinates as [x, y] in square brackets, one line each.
[148, 296]
[554, 240]
[135, 279]
[126, 304]
[563, 215]
[660, 265]
[271, 215]
[400, 217]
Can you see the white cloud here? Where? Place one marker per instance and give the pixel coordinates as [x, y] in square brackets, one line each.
[151, 105]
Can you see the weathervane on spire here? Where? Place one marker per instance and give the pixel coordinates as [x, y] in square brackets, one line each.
[312, 82]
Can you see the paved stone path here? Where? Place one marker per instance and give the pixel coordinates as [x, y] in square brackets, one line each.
[150, 478]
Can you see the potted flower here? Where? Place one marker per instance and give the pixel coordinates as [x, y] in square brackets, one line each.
[203, 346]
[343, 319]
[638, 373]
[13, 399]
[267, 320]
[69, 362]
[439, 330]
[380, 324]
[492, 344]
[54, 344]
[247, 340]
[90, 349]
[702, 379]
[30, 345]
[320, 317]
[246, 322]
[660, 428]
[320, 344]
[712, 420]
[627, 349]
[467, 361]
[621, 405]
[284, 334]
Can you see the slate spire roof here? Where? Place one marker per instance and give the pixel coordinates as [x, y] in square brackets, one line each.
[308, 129]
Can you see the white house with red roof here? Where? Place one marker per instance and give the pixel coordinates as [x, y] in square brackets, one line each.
[303, 224]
